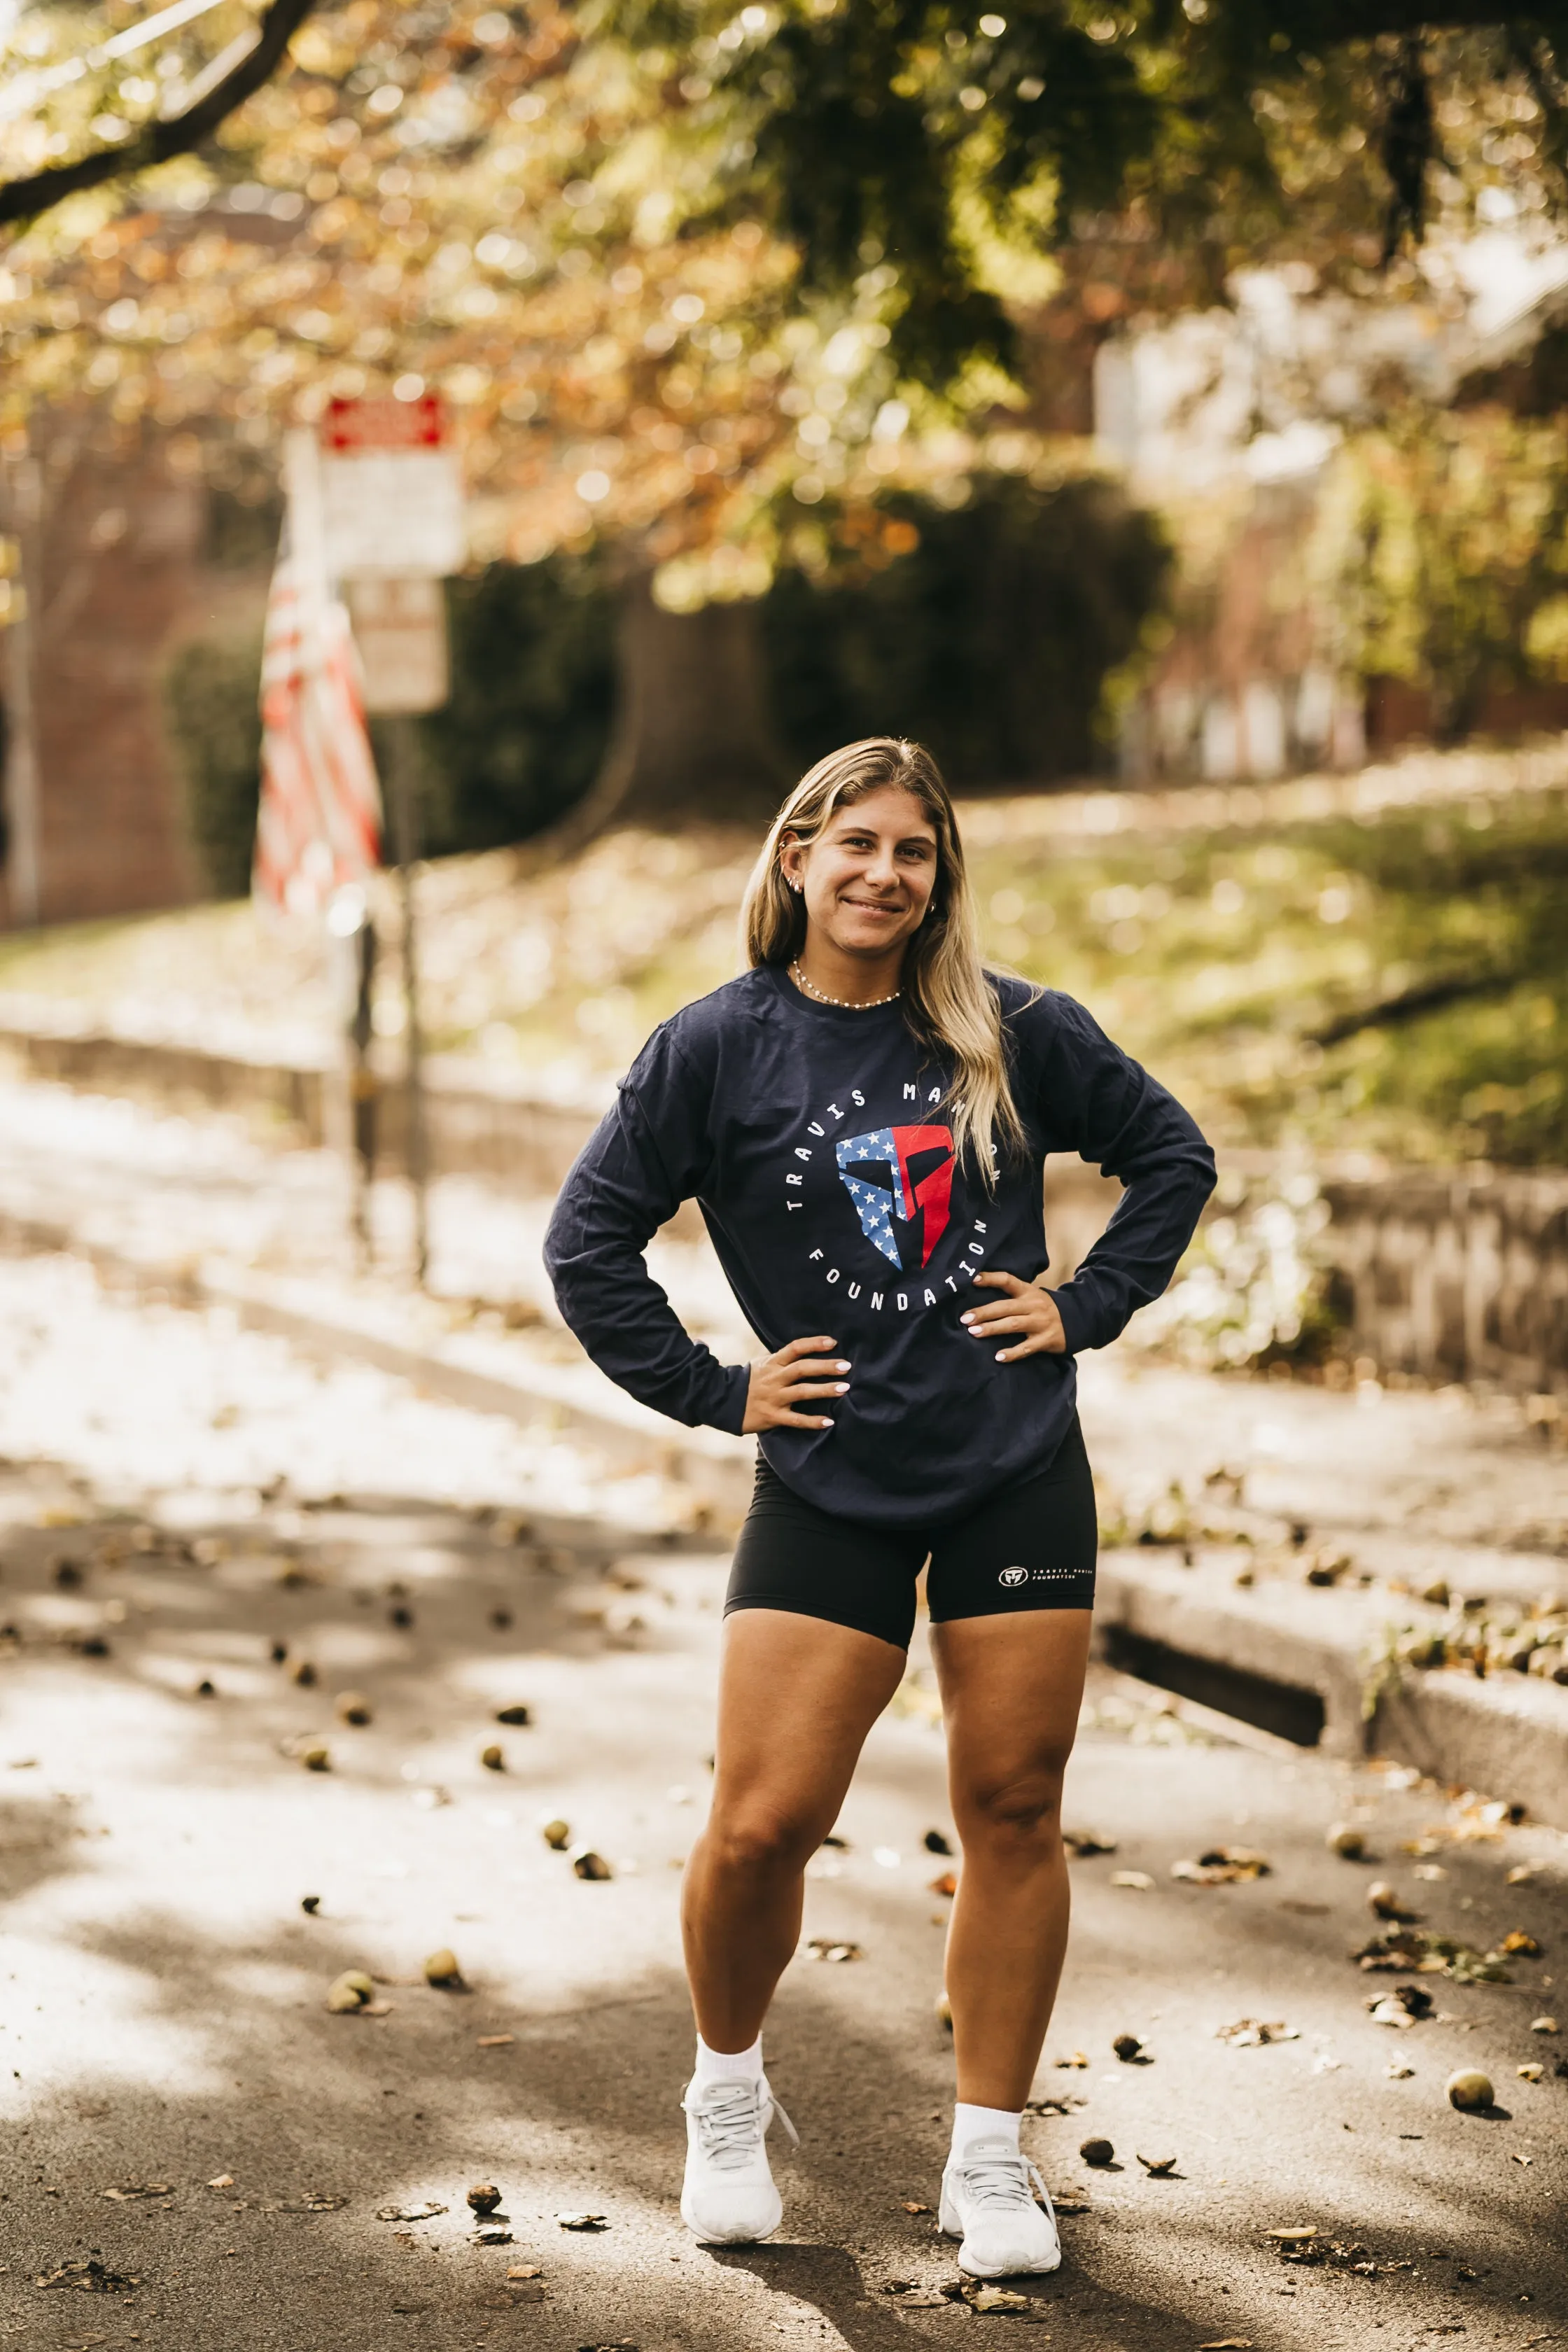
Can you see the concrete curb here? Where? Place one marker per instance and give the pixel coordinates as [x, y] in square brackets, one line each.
[1295, 1661]
[1288, 1659]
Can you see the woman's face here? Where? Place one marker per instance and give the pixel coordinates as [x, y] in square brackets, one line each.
[868, 876]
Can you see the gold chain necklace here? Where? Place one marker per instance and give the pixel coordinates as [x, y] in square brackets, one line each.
[844, 1003]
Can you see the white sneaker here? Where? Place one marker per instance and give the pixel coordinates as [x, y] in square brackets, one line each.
[988, 2201]
[729, 2198]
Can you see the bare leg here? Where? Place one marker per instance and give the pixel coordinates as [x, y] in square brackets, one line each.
[1011, 1689]
[796, 1698]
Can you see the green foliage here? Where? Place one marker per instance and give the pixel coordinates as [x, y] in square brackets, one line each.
[532, 692]
[991, 640]
[1477, 905]
[210, 690]
[1181, 141]
[1399, 986]
[1448, 534]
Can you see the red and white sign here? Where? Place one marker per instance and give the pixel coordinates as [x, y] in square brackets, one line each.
[355, 425]
[391, 490]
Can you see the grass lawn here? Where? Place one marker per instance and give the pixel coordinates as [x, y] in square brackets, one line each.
[1393, 980]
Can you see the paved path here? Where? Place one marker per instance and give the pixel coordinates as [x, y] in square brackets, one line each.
[1421, 1486]
[164, 2020]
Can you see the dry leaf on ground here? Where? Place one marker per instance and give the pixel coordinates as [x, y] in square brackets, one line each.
[1083, 1843]
[1223, 1866]
[984, 2297]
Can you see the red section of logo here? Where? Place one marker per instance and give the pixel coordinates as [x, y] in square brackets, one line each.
[933, 1191]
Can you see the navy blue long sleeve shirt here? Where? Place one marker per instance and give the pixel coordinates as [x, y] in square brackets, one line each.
[814, 1139]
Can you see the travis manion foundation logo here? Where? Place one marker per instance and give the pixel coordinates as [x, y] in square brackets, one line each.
[900, 1180]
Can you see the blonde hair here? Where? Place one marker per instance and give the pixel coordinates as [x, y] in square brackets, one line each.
[949, 1003]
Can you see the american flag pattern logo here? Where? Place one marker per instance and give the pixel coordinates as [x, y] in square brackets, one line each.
[878, 1171]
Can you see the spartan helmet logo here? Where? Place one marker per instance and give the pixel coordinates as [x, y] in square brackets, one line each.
[1012, 1576]
[895, 1175]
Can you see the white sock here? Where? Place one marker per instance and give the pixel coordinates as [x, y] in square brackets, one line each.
[737, 2067]
[983, 2122]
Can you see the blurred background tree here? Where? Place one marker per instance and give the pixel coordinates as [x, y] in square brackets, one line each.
[1449, 536]
[710, 292]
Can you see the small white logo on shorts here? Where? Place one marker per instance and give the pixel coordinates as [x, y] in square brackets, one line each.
[1014, 1576]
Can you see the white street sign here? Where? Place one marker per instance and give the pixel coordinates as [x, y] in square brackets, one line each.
[400, 629]
[391, 491]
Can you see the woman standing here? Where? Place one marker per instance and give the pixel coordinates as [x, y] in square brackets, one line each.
[863, 1118]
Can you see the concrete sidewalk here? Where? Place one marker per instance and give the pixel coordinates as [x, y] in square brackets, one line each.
[1416, 1486]
[203, 2158]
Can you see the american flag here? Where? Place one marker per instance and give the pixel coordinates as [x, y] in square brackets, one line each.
[319, 822]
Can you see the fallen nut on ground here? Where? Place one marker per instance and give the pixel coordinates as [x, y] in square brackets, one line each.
[442, 1969]
[1468, 2088]
[350, 1992]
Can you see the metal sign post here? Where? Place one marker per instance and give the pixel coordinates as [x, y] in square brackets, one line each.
[393, 506]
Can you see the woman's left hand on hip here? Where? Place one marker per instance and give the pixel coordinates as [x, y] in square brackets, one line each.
[1025, 1310]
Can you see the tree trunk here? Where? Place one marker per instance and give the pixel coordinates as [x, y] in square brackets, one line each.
[693, 736]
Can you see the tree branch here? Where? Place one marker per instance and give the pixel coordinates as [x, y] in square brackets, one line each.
[1428, 996]
[158, 142]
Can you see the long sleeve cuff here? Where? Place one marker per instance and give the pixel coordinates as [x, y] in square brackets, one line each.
[1077, 1311]
[731, 1412]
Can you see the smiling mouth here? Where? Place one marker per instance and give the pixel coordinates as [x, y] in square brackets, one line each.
[872, 906]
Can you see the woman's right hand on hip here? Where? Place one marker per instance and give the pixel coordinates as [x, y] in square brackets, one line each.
[797, 1377]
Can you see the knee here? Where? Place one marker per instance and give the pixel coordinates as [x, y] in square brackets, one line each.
[1016, 1813]
[758, 1839]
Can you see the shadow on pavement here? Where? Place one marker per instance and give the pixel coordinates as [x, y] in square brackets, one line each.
[184, 2040]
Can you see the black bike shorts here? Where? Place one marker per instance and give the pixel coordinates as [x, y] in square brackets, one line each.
[1032, 1546]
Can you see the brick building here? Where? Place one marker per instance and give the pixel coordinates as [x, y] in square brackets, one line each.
[118, 570]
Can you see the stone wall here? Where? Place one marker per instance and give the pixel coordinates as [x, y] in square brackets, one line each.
[1457, 1275]
[1454, 1276]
